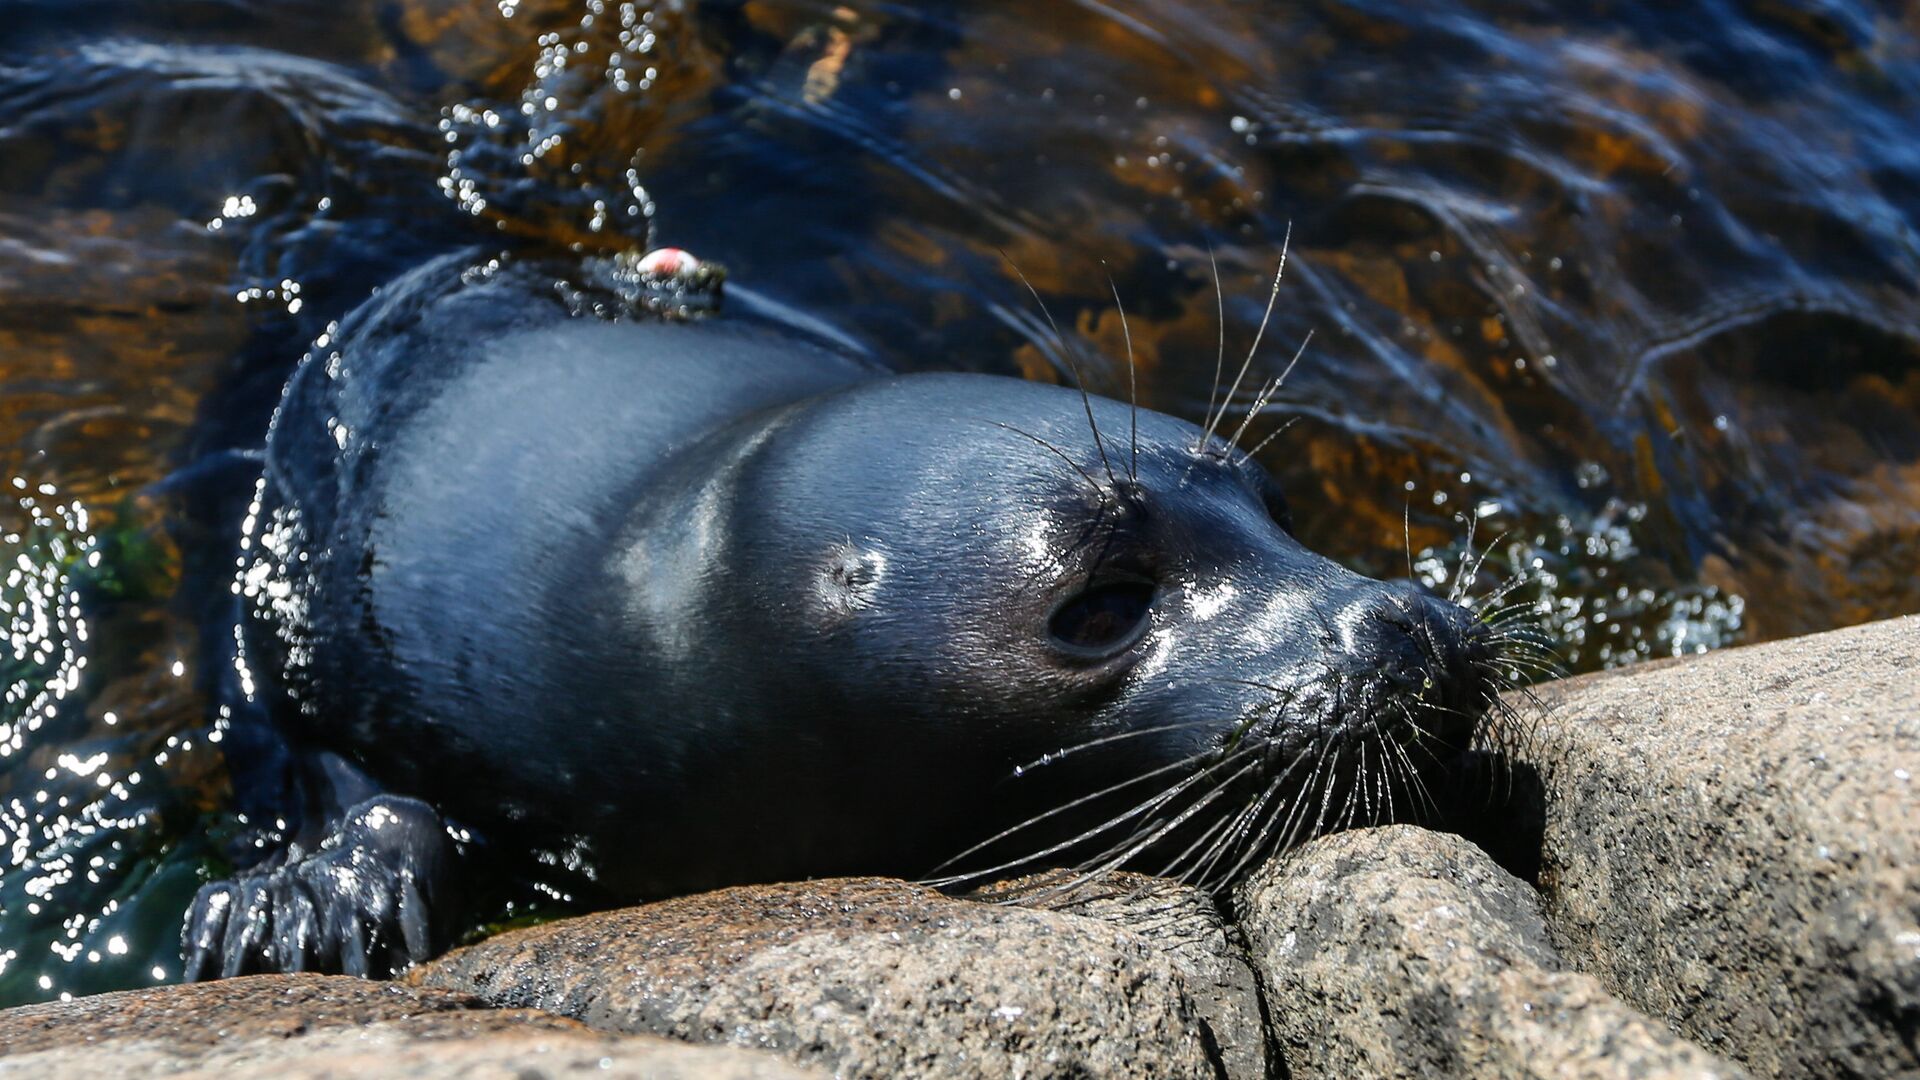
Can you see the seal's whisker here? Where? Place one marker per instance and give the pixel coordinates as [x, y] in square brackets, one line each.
[1519, 622]
[1503, 590]
[1530, 653]
[1259, 402]
[1527, 652]
[1133, 389]
[1282, 823]
[1389, 776]
[1519, 631]
[1274, 786]
[1213, 421]
[1249, 850]
[1495, 616]
[1466, 553]
[1147, 806]
[1274, 434]
[1356, 791]
[1107, 862]
[1359, 796]
[1406, 531]
[1508, 732]
[1111, 861]
[1400, 774]
[1106, 740]
[1084, 539]
[1038, 818]
[1327, 787]
[1199, 844]
[1472, 574]
[1056, 451]
[1444, 710]
[1291, 827]
[1066, 354]
[1415, 783]
[1520, 619]
[1265, 397]
[1220, 354]
[1538, 665]
[1243, 821]
[1519, 635]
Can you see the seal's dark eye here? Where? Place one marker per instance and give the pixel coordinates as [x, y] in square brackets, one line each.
[1103, 619]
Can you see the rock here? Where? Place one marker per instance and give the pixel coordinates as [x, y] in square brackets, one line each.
[1732, 843]
[298, 1026]
[1184, 923]
[863, 977]
[206, 1014]
[1402, 952]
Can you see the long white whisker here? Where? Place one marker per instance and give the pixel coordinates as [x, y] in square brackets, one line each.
[1066, 354]
[1260, 403]
[1220, 355]
[1272, 299]
[1056, 811]
[1147, 806]
[1133, 391]
[1106, 740]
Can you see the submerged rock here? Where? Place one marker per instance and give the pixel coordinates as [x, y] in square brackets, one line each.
[864, 977]
[1402, 952]
[1733, 844]
[298, 1026]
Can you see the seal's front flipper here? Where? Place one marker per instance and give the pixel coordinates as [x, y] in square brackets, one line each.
[369, 902]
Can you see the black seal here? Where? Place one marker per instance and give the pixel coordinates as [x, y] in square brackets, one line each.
[651, 605]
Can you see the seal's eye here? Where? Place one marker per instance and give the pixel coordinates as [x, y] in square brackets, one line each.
[1103, 618]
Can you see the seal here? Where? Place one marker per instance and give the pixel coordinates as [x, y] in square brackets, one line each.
[633, 607]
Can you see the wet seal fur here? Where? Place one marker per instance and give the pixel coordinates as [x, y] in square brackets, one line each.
[636, 607]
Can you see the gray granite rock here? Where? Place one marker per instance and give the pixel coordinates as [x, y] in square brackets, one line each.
[867, 978]
[1402, 952]
[1184, 923]
[295, 1027]
[1732, 843]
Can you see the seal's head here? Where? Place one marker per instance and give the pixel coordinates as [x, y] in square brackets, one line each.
[1002, 637]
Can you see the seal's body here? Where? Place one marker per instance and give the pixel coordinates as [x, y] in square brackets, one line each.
[674, 606]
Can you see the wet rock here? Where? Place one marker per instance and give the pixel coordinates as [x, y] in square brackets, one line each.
[297, 1026]
[1733, 844]
[1185, 924]
[1402, 952]
[862, 977]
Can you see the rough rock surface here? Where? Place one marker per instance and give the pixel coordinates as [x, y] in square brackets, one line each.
[300, 1026]
[862, 977]
[1733, 844]
[1402, 952]
[1185, 924]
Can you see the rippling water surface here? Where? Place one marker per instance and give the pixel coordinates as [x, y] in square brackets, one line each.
[1633, 288]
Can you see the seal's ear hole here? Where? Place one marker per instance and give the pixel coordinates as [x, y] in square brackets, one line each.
[1103, 618]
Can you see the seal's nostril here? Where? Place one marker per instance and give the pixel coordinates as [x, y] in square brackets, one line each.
[1414, 651]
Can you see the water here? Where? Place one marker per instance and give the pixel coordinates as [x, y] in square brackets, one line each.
[1631, 287]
